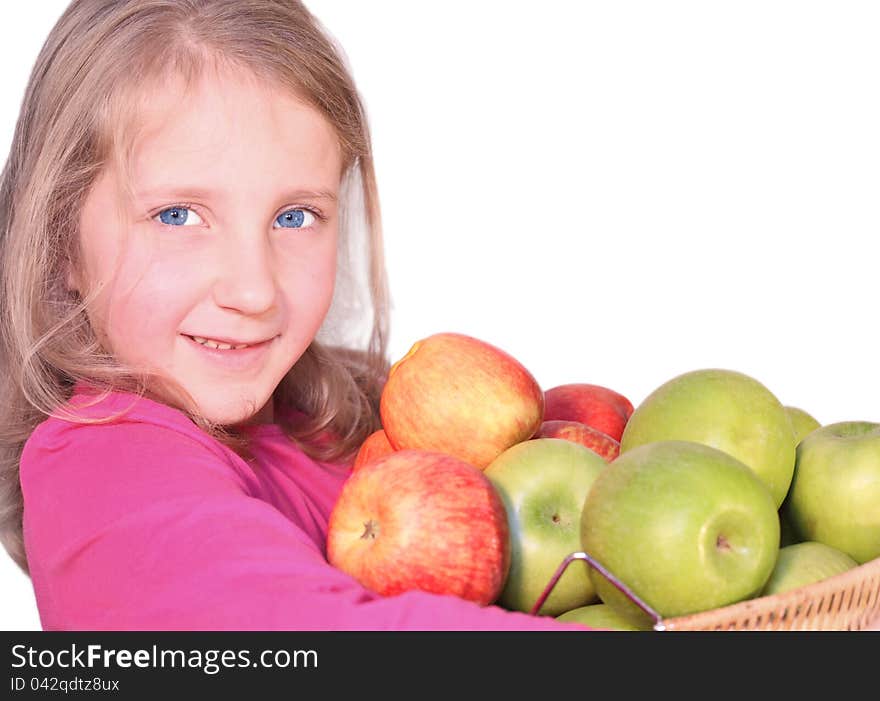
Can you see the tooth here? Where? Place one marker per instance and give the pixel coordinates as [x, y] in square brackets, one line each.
[216, 344]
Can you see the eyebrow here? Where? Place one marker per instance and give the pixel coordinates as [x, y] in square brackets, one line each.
[196, 192]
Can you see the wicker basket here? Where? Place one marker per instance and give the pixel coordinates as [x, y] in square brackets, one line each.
[847, 601]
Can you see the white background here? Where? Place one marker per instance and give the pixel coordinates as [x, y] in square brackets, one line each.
[613, 192]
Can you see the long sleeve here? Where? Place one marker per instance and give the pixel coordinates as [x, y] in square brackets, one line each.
[135, 526]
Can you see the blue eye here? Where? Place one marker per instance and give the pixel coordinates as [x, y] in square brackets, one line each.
[183, 215]
[179, 215]
[295, 219]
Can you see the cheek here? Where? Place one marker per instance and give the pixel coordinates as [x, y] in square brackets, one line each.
[139, 307]
[325, 276]
[324, 281]
[309, 279]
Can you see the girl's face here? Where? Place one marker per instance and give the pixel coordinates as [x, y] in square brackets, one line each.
[231, 238]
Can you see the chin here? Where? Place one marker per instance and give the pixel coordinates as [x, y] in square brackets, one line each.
[234, 412]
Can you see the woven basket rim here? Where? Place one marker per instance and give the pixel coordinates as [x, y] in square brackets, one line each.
[749, 614]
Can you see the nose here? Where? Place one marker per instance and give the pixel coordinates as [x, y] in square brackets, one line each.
[246, 279]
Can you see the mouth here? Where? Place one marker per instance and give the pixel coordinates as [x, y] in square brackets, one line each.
[225, 344]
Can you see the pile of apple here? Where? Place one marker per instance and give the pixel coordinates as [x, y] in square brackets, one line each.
[711, 491]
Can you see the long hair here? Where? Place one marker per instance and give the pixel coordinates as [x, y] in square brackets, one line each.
[80, 109]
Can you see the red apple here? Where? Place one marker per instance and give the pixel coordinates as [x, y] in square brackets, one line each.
[593, 405]
[459, 395]
[421, 520]
[576, 432]
[374, 446]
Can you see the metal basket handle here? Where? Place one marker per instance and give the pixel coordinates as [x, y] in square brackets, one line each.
[629, 593]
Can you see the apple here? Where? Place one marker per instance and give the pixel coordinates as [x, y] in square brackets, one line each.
[724, 409]
[459, 395]
[800, 564]
[598, 616]
[593, 405]
[421, 520]
[374, 446]
[543, 483]
[587, 436]
[686, 527]
[801, 422]
[835, 493]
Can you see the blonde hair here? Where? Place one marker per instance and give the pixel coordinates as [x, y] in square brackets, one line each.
[77, 116]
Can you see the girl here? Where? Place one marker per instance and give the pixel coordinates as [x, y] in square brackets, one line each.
[194, 315]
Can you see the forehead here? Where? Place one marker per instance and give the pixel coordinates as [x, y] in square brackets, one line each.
[221, 123]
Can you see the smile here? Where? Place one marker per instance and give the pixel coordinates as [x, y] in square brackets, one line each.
[218, 345]
[231, 357]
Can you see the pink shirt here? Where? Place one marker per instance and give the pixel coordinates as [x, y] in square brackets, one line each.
[148, 523]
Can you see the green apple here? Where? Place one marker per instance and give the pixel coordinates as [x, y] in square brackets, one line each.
[835, 493]
[686, 527]
[543, 483]
[723, 409]
[598, 616]
[801, 422]
[804, 563]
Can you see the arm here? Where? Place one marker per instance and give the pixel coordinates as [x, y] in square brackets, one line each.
[134, 526]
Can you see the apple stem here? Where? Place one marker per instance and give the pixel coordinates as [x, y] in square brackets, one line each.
[629, 593]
